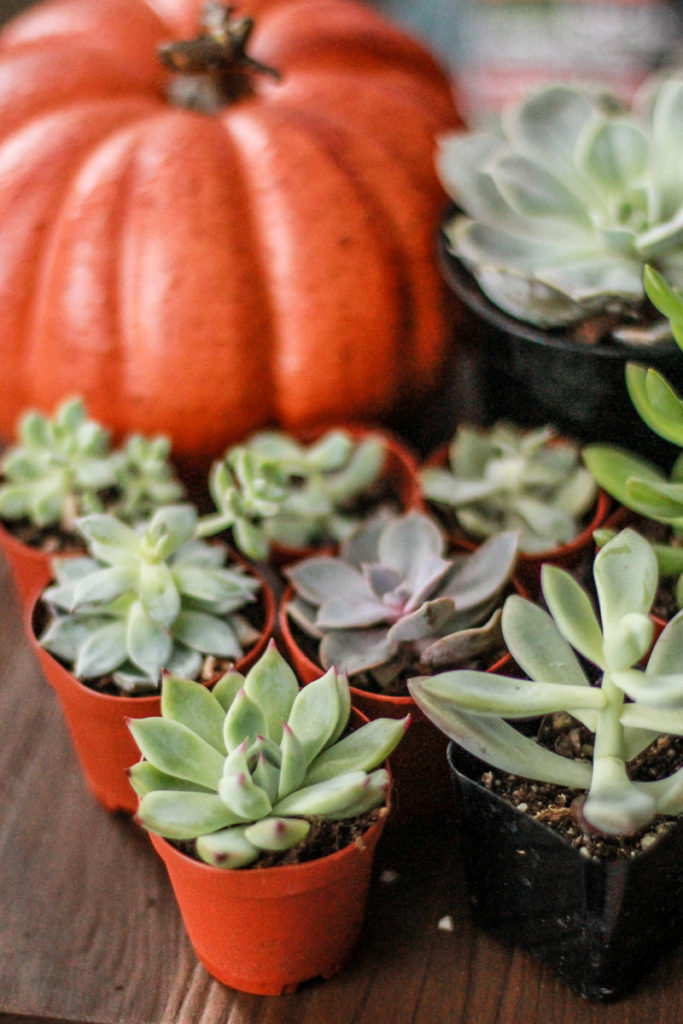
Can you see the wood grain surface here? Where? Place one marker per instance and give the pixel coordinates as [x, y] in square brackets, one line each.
[90, 931]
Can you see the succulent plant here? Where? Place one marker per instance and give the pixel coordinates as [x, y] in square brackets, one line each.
[632, 480]
[567, 199]
[145, 600]
[277, 490]
[506, 478]
[244, 768]
[626, 710]
[59, 468]
[64, 467]
[391, 601]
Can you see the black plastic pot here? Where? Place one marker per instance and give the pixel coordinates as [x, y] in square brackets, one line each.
[600, 924]
[533, 377]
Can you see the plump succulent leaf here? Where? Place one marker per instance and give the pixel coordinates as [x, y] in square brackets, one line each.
[244, 768]
[473, 707]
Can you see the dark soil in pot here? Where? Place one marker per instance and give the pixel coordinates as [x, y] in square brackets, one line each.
[532, 376]
[598, 921]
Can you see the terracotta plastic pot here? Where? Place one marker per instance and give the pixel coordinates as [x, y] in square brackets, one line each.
[97, 721]
[575, 553]
[31, 568]
[598, 923]
[400, 469]
[532, 376]
[265, 930]
[421, 784]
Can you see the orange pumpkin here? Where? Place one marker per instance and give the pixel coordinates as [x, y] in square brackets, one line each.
[205, 273]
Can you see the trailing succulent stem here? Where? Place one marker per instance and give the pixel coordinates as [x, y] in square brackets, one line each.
[635, 482]
[245, 767]
[507, 478]
[146, 600]
[627, 710]
[391, 600]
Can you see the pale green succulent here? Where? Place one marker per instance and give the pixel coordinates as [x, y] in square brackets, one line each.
[244, 768]
[633, 481]
[274, 489]
[393, 600]
[507, 478]
[626, 711]
[59, 469]
[146, 600]
[64, 467]
[564, 203]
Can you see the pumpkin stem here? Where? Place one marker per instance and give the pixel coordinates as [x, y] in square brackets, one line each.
[214, 68]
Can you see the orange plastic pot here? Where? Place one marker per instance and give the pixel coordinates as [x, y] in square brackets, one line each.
[422, 787]
[31, 568]
[97, 721]
[399, 469]
[528, 570]
[265, 930]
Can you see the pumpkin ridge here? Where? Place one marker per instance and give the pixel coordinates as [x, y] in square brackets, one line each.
[341, 365]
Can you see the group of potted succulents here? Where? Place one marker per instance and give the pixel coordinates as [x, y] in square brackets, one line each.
[410, 602]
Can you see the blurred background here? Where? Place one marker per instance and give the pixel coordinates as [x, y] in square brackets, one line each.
[494, 49]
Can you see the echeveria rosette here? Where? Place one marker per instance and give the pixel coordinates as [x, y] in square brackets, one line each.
[243, 768]
[632, 480]
[563, 204]
[393, 598]
[275, 489]
[627, 710]
[146, 600]
[58, 469]
[146, 479]
[507, 478]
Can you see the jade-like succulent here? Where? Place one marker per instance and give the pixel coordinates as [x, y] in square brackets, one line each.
[64, 467]
[626, 711]
[506, 478]
[392, 600]
[635, 482]
[145, 600]
[274, 489]
[244, 768]
[567, 199]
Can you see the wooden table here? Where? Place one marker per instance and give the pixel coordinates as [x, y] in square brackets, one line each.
[90, 932]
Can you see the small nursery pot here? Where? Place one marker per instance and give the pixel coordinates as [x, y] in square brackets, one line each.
[599, 924]
[31, 568]
[528, 570]
[265, 930]
[533, 376]
[400, 469]
[421, 783]
[97, 721]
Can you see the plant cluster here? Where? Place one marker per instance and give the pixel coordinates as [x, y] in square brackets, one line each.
[508, 478]
[626, 711]
[64, 467]
[145, 600]
[392, 600]
[565, 201]
[245, 767]
[274, 489]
